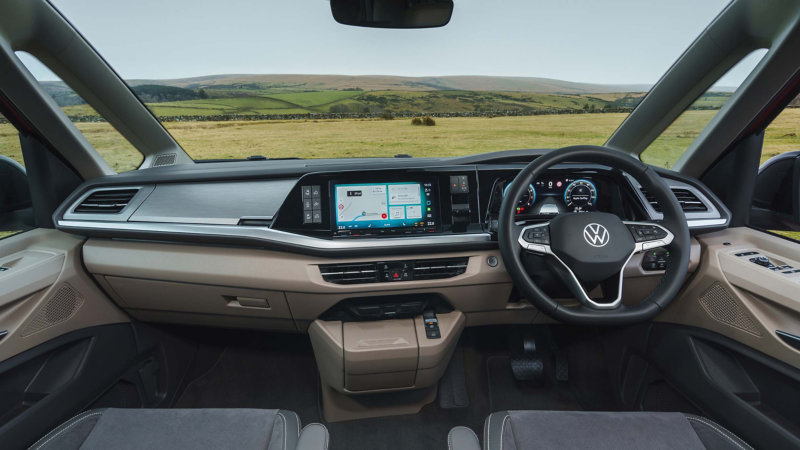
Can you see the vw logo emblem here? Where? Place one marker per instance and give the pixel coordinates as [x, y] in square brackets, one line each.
[596, 235]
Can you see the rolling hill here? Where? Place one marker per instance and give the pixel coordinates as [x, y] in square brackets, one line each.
[299, 82]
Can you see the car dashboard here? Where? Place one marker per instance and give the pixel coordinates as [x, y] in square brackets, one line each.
[278, 245]
[428, 207]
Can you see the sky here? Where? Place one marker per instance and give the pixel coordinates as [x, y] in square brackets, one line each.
[593, 41]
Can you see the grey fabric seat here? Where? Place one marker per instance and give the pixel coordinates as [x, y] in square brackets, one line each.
[184, 429]
[566, 430]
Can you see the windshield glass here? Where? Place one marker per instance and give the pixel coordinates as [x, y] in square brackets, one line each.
[284, 79]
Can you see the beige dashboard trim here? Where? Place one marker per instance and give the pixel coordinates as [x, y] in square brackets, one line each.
[132, 272]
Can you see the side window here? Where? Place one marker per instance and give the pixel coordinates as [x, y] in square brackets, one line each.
[776, 200]
[112, 146]
[667, 148]
[16, 210]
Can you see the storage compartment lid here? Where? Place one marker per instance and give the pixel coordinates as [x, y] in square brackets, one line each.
[380, 347]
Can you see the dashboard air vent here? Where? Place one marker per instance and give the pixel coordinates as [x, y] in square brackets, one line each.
[110, 201]
[688, 200]
[429, 269]
[350, 273]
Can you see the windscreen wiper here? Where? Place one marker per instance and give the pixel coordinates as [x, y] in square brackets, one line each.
[249, 158]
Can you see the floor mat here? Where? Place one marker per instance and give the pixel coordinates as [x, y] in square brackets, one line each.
[453, 385]
[257, 378]
[508, 394]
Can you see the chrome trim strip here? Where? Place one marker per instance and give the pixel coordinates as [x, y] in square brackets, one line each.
[639, 247]
[705, 223]
[256, 217]
[277, 236]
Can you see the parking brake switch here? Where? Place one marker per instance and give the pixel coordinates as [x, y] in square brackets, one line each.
[431, 325]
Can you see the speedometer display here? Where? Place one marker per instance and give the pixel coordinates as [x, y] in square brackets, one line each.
[580, 195]
[552, 195]
[526, 199]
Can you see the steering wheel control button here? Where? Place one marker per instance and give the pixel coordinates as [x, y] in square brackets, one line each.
[538, 235]
[655, 260]
[645, 233]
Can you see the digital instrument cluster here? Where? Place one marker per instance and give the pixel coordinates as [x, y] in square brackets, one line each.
[551, 196]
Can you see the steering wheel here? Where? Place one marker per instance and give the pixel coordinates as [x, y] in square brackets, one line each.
[591, 249]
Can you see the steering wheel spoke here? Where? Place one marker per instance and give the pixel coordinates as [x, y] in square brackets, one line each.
[649, 235]
[612, 286]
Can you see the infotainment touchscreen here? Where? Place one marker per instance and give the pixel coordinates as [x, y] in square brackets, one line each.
[385, 208]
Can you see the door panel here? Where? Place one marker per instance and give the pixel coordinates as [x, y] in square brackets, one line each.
[45, 291]
[749, 303]
[743, 390]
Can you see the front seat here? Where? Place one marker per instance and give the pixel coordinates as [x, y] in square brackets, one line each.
[184, 429]
[567, 430]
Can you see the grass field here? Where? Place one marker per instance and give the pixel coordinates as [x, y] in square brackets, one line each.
[372, 138]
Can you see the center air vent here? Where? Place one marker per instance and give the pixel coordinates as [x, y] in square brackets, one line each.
[109, 201]
[688, 200]
[393, 271]
[350, 273]
[429, 269]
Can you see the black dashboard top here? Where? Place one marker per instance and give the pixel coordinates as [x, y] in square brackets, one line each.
[364, 205]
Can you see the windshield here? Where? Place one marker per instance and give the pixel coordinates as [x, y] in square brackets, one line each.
[285, 80]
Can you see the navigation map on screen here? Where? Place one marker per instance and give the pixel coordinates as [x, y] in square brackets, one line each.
[384, 205]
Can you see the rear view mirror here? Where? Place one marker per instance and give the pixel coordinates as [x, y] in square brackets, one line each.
[392, 13]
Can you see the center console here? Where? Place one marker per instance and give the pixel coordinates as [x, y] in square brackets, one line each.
[398, 362]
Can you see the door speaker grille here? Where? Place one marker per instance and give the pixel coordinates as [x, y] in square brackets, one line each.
[719, 305]
[61, 306]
